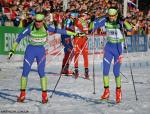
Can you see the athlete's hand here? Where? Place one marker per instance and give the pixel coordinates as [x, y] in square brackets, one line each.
[13, 49]
[120, 59]
[80, 34]
[125, 47]
[11, 52]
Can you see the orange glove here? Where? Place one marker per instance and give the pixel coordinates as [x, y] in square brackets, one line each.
[120, 59]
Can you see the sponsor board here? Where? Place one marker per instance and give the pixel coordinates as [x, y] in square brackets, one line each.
[136, 43]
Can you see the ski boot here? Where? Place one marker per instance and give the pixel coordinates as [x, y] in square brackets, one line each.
[69, 72]
[66, 71]
[44, 97]
[106, 94]
[76, 73]
[118, 95]
[21, 98]
[86, 73]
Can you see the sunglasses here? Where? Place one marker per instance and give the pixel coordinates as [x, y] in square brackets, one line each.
[112, 15]
[38, 21]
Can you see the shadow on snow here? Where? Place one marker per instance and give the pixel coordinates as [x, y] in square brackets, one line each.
[4, 94]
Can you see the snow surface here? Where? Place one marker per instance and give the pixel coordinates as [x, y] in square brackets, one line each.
[76, 96]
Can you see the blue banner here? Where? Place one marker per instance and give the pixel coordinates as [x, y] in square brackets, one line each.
[137, 43]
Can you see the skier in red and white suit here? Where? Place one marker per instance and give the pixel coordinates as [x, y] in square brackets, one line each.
[80, 43]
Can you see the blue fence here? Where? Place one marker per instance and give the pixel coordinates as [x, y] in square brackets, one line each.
[137, 43]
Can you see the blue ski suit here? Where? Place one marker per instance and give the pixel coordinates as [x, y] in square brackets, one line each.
[115, 43]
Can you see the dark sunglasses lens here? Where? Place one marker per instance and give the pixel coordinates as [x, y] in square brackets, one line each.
[38, 21]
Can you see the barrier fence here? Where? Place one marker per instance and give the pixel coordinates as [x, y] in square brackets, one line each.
[136, 43]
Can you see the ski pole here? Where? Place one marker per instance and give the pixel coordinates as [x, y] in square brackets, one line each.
[49, 53]
[63, 69]
[52, 51]
[130, 64]
[120, 71]
[124, 76]
[93, 64]
[55, 56]
[81, 51]
[52, 58]
[60, 76]
[79, 54]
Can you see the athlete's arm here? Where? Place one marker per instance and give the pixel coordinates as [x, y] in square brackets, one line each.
[98, 23]
[23, 34]
[61, 31]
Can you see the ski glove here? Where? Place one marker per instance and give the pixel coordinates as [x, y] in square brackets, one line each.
[80, 34]
[125, 47]
[120, 59]
[12, 51]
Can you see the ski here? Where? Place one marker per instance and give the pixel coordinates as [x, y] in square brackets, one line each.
[80, 76]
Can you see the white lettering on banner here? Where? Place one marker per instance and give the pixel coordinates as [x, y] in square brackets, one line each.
[137, 43]
[9, 39]
[54, 41]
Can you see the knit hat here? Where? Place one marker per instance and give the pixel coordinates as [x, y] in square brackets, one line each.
[39, 17]
[112, 11]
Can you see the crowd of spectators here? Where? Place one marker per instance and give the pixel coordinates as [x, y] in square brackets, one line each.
[20, 13]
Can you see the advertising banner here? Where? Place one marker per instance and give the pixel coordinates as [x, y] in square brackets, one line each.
[136, 43]
[7, 38]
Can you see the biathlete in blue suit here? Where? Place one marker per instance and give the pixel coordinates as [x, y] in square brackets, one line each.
[38, 32]
[113, 49]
